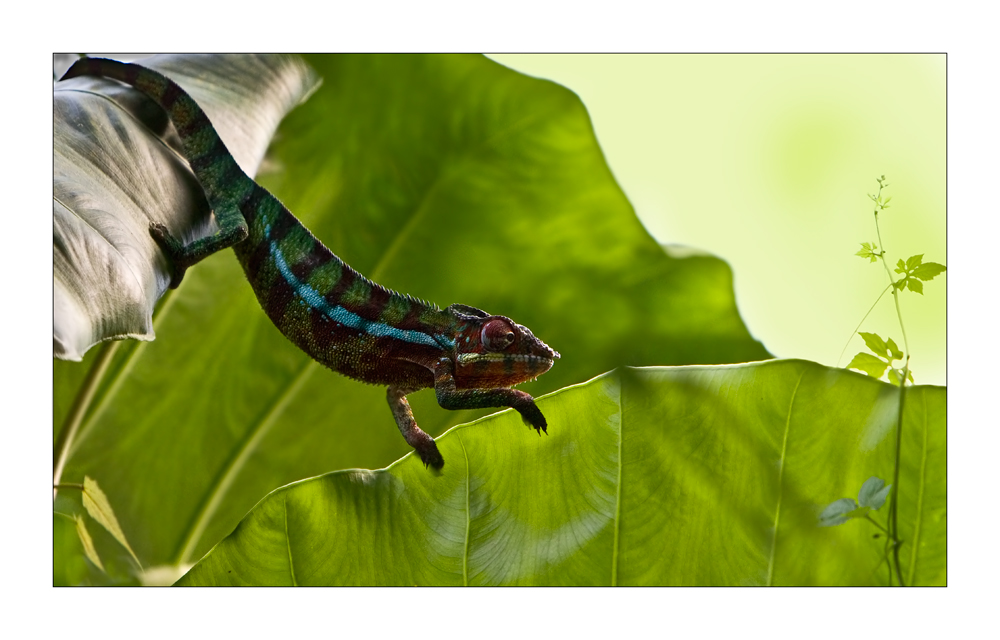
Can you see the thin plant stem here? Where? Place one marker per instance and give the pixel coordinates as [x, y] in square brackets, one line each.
[855, 332]
[894, 498]
[895, 291]
[894, 507]
[80, 406]
[885, 554]
[885, 549]
[872, 520]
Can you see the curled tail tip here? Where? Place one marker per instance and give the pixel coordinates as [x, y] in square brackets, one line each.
[82, 67]
[89, 67]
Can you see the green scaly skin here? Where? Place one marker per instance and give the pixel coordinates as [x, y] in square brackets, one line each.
[340, 318]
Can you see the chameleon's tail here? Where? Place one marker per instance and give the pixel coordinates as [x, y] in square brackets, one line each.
[213, 165]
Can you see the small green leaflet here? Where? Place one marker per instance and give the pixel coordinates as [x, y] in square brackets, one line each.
[868, 251]
[88, 543]
[873, 493]
[882, 204]
[914, 270]
[837, 512]
[871, 498]
[868, 364]
[882, 348]
[885, 352]
[99, 508]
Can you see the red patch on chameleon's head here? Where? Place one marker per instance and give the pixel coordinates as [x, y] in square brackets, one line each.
[494, 351]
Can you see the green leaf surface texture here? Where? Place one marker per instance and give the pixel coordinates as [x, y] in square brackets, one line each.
[451, 178]
[652, 476]
[116, 168]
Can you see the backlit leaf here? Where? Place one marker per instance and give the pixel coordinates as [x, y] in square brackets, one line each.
[87, 542]
[875, 343]
[712, 475]
[99, 508]
[450, 178]
[914, 261]
[928, 270]
[869, 364]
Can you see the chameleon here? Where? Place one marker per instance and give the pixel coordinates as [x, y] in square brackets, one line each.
[340, 318]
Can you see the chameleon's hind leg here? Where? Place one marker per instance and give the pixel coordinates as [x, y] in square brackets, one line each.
[415, 437]
[232, 230]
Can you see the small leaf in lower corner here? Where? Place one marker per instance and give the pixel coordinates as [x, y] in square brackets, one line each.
[88, 543]
[873, 493]
[836, 512]
[99, 508]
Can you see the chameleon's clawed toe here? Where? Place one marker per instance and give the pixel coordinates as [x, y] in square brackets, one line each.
[435, 462]
[170, 245]
[430, 455]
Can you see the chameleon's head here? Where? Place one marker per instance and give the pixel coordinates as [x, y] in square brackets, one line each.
[494, 351]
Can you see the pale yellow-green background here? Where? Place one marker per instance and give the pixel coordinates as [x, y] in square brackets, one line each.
[765, 161]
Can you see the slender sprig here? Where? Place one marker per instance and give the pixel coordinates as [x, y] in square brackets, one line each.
[893, 534]
[914, 272]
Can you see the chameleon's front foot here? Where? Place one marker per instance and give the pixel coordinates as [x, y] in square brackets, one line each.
[173, 248]
[532, 415]
[234, 229]
[450, 397]
[429, 454]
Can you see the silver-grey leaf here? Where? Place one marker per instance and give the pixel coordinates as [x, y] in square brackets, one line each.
[117, 167]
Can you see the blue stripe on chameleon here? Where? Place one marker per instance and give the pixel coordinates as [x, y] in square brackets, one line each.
[345, 317]
[444, 341]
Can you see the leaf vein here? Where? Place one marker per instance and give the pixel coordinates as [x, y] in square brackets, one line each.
[237, 462]
[288, 540]
[618, 491]
[920, 500]
[468, 516]
[781, 473]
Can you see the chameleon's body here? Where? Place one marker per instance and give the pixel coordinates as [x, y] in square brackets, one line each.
[337, 316]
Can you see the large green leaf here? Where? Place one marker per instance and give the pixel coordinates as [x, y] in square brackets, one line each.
[451, 178]
[116, 168]
[658, 476]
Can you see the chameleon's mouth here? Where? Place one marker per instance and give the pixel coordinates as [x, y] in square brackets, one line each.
[489, 370]
[538, 361]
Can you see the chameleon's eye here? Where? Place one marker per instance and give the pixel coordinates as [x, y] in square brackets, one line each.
[497, 335]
